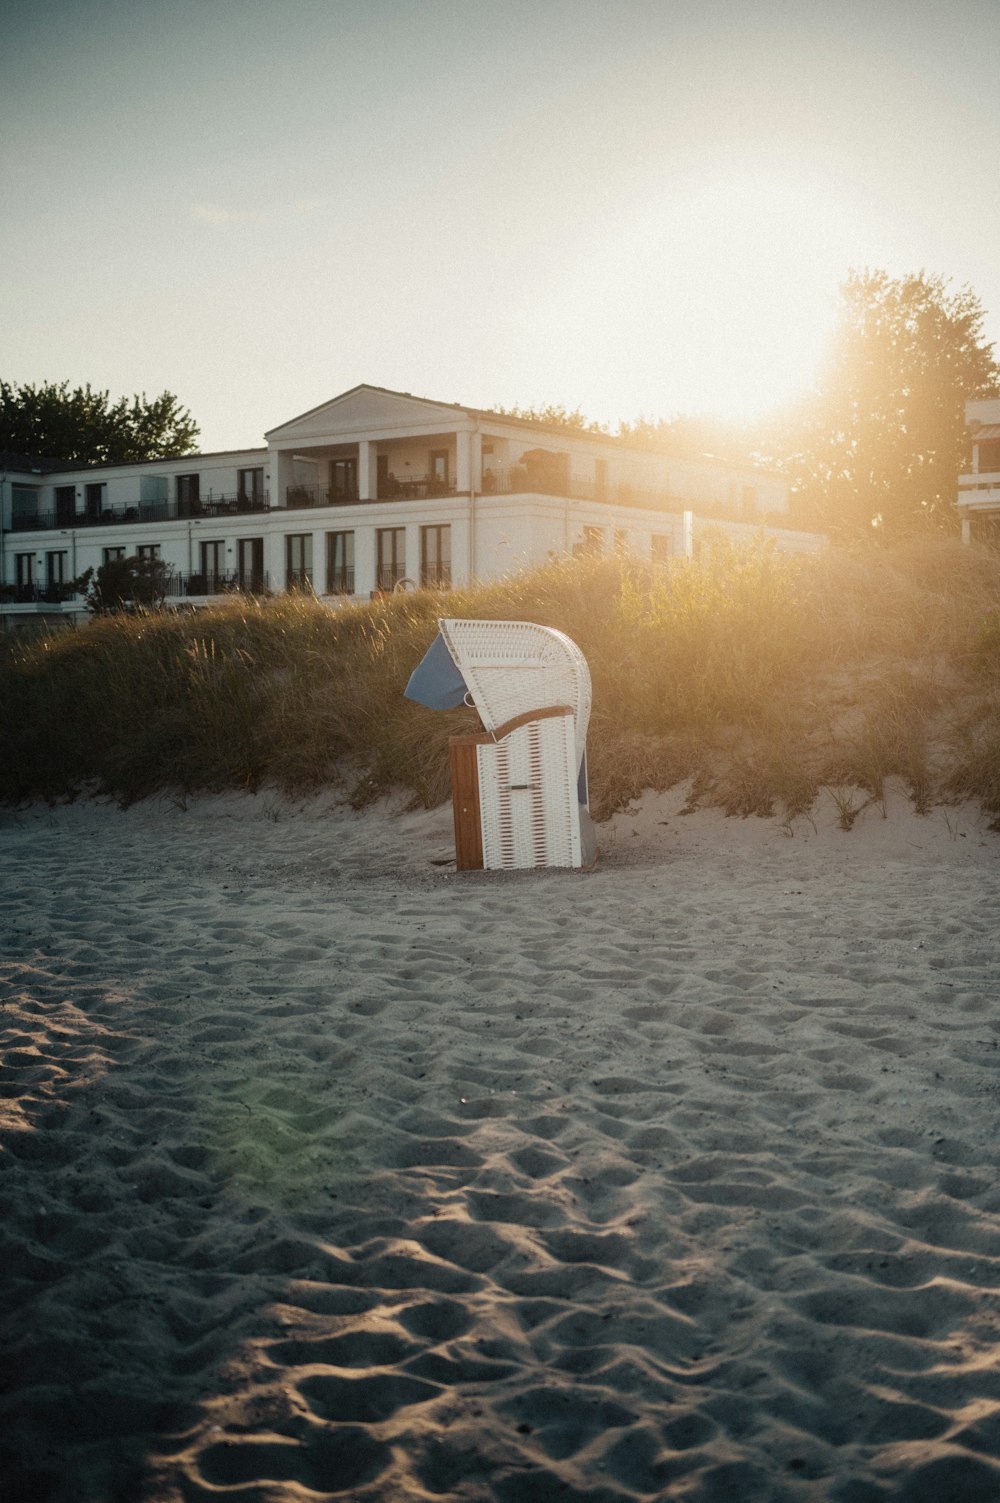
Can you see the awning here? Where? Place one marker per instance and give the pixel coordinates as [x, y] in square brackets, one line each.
[436, 681]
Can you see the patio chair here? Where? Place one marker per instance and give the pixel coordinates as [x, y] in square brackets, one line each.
[531, 686]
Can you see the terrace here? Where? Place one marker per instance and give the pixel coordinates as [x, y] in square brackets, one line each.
[143, 511]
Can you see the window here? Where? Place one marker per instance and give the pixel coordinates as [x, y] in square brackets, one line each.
[93, 496]
[489, 477]
[250, 485]
[213, 565]
[340, 563]
[989, 455]
[592, 545]
[25, 575]
[148, 550]
[24, 501]
[600, 478]
[56, 571]
[621, 541]
[65, 504]
[110, 554]
[188, 495]
[250, 554]
[438, 473]
[661, 547]
[299, 561]
[435, 557]
[391, 553]
[343, 479]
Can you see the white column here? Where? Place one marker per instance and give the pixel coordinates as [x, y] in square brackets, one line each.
[412, 570]
[364, 560]
[278, 476]
[966, 530]
[463, 461]
[367, 470]
[274, 558]
[319, 580]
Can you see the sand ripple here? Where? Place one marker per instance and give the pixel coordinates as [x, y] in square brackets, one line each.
[325, 1174]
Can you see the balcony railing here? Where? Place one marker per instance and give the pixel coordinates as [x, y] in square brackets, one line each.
[389, 575]
[547, 481]
[414, 488]
[181, 586]
[298, 497]
[143, 511]
[341, 582]
[36, 594]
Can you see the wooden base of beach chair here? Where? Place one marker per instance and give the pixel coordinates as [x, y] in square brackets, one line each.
[465, 802]
[514, 795]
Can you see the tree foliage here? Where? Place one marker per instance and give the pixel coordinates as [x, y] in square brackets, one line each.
[121, 584]
[881, 441]
[696, 436]
[84, 426]
[555, 415]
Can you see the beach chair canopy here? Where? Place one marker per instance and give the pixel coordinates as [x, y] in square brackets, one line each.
[508, 669]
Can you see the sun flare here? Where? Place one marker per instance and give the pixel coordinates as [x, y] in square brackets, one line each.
[724, 293]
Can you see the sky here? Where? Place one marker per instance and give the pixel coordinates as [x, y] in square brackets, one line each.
[636, 209]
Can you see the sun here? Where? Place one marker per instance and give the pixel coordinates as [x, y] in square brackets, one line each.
[716, 294]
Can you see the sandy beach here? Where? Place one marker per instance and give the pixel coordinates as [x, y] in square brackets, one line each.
[329, 1172]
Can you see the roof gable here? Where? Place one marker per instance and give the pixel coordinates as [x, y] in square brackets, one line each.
[366, 408]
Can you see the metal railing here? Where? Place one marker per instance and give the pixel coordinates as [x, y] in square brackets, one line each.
[36, 594]
[389, 575]
[180, 585]
[413, 488]
[143, 511]
[341, 582]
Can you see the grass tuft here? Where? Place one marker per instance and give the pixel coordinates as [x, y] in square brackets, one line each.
[759, 678]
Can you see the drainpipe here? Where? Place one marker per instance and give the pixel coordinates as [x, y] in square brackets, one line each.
[472, 516]
[3, 502]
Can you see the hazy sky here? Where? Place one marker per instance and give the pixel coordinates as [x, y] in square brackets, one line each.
[639, 207]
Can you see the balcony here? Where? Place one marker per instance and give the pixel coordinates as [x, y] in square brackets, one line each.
[36, 594]
[144, 511]
[414, 488]
[341, 581]
[181, 586]
[980, 488]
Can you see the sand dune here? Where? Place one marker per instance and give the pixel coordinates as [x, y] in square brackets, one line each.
[327, 1172]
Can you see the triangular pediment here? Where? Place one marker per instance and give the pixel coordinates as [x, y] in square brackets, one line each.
[365, 409]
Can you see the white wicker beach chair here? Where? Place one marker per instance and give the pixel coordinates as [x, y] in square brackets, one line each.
[531, 686]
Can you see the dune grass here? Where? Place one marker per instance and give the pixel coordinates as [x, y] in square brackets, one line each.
[761, 678]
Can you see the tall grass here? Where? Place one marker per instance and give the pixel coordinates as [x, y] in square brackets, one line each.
[761, 678]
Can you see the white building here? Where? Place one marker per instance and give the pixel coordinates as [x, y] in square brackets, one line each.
[979, 490]
[367, 492]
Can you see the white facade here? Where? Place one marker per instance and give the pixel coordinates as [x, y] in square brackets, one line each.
[373, 490]
[979, 490]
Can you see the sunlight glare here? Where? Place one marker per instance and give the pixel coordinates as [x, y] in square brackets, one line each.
[718, 297]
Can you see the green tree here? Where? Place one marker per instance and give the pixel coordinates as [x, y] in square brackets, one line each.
[124, 583]
[881, 441]
[84, 426]
[554, 415]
